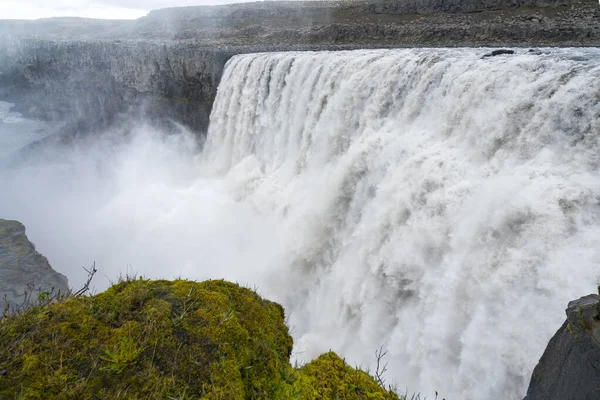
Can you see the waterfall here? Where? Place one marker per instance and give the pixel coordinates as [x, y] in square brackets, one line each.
[442, 205]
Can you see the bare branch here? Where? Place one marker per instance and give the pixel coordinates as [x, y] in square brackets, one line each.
[91, 272]
[381, 368]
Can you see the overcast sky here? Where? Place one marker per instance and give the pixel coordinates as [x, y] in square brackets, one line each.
[121, 9]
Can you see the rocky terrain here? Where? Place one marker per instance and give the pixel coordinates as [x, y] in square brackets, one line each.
[382, 23]
[24, 273]
[167, 65]
[327, 23]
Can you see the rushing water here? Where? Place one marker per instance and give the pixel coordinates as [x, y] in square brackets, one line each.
[438, 204]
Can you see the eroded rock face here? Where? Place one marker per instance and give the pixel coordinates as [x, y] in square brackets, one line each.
[570, 366]
[91, 82]
[22, 268]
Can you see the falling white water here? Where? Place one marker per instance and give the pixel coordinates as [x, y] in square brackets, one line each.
[444, 206]
[438, 204]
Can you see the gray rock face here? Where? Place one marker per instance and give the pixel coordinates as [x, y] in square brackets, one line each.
[91, 82]
[570, 367]
[22, 268]
[167, 65]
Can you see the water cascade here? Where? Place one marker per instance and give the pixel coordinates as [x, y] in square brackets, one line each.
[441, 205]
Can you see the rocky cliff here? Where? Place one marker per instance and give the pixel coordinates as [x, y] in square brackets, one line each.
[23, 269]
[92, 81]
[167, 65]
[570, 367]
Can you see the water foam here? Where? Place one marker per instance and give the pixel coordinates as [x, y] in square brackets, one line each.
[436, 203]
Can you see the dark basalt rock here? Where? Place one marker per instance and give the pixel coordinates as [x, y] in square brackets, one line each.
[570, 367]
[498, 52]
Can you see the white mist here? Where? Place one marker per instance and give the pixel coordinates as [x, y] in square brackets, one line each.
[436, 203]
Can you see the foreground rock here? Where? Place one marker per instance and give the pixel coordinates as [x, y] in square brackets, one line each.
[167, 339]
[22, 269]
[570, 366]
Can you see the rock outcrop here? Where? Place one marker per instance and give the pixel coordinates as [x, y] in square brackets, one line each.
[167, 339]
[167, 65]
[22, 269]
[570, 367]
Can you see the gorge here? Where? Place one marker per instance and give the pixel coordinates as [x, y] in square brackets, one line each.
[429, 200]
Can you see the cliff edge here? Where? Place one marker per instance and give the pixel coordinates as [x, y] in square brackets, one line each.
[22, 269]
[570, 366]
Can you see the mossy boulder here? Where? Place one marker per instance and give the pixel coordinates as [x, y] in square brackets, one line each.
[330, 377]
[148, 340]
[166, 340]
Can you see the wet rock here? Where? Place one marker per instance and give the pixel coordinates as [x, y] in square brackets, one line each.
[498, 52]
[578, 58]
[570, 366]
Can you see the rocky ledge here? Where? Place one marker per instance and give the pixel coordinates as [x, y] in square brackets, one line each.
[24, 273]
[570, 367]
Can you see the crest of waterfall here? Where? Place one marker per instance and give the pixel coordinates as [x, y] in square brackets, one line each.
[444, 206]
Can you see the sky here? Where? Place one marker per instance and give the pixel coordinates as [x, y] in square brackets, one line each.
[107, 9]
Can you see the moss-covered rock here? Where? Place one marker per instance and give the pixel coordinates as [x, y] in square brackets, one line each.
[166, 339]
[329, 377]
[148, 339]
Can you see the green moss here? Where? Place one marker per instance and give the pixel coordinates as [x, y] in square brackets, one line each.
[329, 377]
[166, 339]
[152, 338]
[572, 330]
